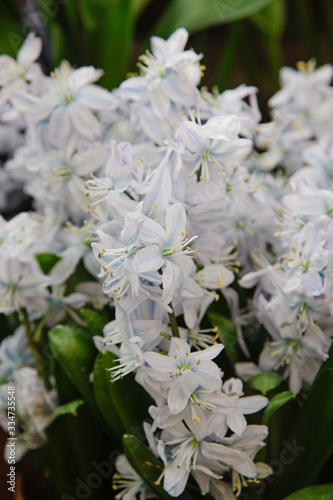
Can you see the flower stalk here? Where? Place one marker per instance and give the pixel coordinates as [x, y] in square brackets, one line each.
[40, 365]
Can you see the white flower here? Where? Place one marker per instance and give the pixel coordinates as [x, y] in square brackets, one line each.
[166, 250]
[212, 147]
[14, 353]
[135, 338]
[299, 352]
[185, 449]
[60, 177]
[130, 484]
[35, 407]
[69, 106]
[169, 75]
[22, 285]
[307, 262]
[250, 442]
[15, 75]
[185, 371]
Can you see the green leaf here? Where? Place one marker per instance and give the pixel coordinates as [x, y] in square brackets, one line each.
[95, 321]
[112, 37]
[311, 438]
[201, 14]
[229, 54]
[74, 444]
[75, 352]
[275, 403]
[322, 492]
[47, 261]
[147, 466]
[11, 29]
[104, 395]
[139, 5]
[227, 334]
[272, 19]
[70, 408]
[265, 382]
[119, 401]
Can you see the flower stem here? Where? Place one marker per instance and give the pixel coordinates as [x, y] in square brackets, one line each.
[173, 322]
[40, 365]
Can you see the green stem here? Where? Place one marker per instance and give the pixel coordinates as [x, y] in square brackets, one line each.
[39, 330]
[82, 45]
[229, 53]
[173, 322]
[328, 33]
[308, 28]
[272, 46]
[40, 365]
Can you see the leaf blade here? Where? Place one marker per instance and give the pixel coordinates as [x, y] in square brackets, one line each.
[121, 395]
[227, 334]
[322, 492]
[195, 16]
[265, 382]
[75, 351]
[67, 408]
[275, 403]
[314, 442]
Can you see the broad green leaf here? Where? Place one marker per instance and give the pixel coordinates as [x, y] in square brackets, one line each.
[147, 466]
[112, 37]
[227, 334]
[75, 352]
[272, 19]
[104, 395]
[229, 54]
[311, 438]
[125, 399]
[95, 321]
[275, 403]
[139, 5]
[74, 445]
[70, 408]
[11, 29]
[201, 14]
[47, 261]
[322, 492]
[265, 382]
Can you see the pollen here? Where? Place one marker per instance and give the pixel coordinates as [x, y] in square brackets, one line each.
[219, 281]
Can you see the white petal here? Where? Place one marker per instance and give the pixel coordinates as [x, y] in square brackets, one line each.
[30, 51]
[177, 399]
[148, 259]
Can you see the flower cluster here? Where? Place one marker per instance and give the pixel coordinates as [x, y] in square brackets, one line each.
[163, 195]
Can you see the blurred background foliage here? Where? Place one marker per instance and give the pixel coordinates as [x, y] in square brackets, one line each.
[243, 41]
